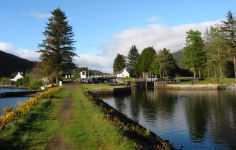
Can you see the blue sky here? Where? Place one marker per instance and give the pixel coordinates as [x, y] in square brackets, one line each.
[98, 24]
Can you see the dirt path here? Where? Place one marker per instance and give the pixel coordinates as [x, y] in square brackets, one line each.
[64, 116]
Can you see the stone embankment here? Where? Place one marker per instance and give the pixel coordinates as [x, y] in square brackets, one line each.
[195, 86]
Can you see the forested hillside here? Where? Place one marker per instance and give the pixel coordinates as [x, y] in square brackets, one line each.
[10, 64]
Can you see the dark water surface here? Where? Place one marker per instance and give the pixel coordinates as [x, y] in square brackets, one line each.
[11, 101]
[192, 119]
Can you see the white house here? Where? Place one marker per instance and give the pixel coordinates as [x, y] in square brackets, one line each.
[83, 75]
[17, 77]
[123, 74]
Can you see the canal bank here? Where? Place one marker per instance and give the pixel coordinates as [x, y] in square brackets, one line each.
[194, 86]
[67, 120]
[189, 119]
[145, 138]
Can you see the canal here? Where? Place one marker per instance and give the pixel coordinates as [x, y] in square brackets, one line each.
[11, 101]
[188, 119]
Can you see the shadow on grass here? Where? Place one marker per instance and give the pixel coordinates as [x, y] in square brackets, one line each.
[21, 137]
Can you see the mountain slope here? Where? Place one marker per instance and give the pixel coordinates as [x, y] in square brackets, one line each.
[11, 64]
[178, 57]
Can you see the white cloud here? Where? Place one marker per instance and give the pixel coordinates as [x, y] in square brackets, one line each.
[40, 15]
[21, 52]
[156, 35]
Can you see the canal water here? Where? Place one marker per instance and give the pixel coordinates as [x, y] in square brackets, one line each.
[11, 101]
[201, 120]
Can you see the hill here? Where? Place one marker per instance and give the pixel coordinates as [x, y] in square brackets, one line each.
[178, 57]
[11, 64]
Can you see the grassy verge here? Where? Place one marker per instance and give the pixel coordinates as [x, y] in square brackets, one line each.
[34, 129]
[89, 129]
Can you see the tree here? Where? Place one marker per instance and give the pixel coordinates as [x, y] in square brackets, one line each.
[167, 64]
[132, 61]
[56, 50]
[119, 63]
[155, 66]
[145, 60]
[194, 54]
[217, 52]
[229, 30]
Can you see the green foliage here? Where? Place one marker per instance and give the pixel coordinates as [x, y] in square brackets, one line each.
[228, 28]
[155, 66]
[194, 54]
[119, 63]
[132, 61]
[167, 64]
[217, 52]
[57, 47]
[145, 60]
[29, 82]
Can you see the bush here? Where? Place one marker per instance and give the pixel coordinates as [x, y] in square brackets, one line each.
[35, 84]
[5, 81]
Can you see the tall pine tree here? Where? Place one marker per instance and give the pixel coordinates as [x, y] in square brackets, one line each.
[56, 50]
[229, 30]
[132, 60]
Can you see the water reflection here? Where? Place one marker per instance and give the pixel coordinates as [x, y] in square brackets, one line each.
[195, 119]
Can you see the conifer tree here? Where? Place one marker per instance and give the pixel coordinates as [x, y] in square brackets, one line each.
[56, 50]
[132, 61]
[119, 63]
[229, 30]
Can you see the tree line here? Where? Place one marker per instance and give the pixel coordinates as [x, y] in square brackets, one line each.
[205, 55]
[149, 61]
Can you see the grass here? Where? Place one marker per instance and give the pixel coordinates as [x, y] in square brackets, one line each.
[87, 128]
[33, 130]
[99, 87]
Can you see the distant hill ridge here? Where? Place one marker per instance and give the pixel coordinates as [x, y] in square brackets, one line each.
[11, 64]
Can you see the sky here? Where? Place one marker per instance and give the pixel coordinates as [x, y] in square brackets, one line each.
[104, 28]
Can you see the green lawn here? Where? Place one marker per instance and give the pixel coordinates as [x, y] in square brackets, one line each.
[85, 129]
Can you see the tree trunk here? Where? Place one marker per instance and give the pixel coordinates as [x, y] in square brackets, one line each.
[194, 73]
[199, 74]
[221, 72]
[235, 67]
[208, 72]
